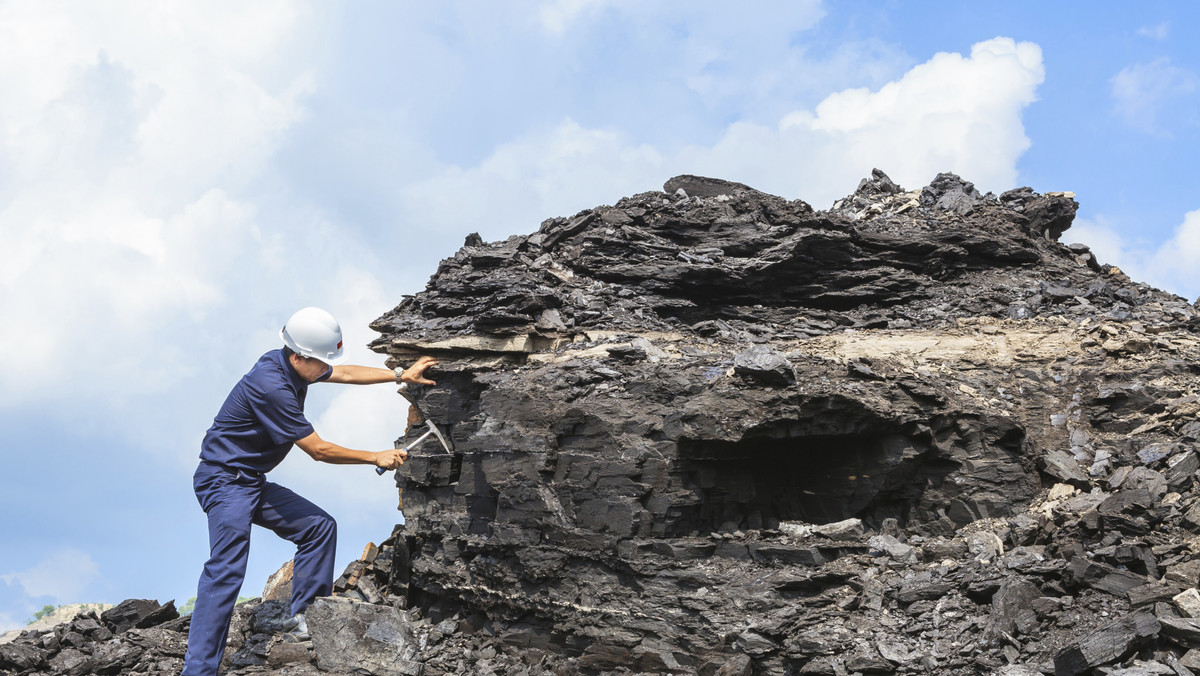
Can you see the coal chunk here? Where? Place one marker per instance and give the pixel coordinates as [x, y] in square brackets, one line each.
[1107, 644]
[140, 613]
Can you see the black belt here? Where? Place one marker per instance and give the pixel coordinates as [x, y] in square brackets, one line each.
[238, 471]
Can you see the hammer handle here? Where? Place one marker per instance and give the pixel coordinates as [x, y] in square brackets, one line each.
[380, 470]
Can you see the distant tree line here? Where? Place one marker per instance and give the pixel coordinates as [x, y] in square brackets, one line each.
[46, 610]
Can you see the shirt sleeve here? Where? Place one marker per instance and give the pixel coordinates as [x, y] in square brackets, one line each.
[280, 413]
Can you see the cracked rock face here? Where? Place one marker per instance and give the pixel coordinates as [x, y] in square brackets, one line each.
[657, 406]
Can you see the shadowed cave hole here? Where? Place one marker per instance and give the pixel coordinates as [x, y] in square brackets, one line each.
[759, 482]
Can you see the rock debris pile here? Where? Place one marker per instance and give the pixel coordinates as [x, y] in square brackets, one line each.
[139, 636]
[712, 431]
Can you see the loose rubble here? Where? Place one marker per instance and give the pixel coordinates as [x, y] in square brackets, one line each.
[135, 636]
[713, 431]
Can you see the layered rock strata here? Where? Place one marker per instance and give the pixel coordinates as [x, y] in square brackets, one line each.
[656, 406]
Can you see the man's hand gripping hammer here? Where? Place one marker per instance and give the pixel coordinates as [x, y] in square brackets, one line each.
[434, 431]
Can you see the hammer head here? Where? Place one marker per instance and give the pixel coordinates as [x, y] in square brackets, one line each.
[416, 416]
[446, 445]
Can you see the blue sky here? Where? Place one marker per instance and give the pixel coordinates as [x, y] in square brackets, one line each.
[178, 178]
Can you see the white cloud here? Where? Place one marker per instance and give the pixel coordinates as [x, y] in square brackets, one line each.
[1156, 32]
[1153, 97]
[1176, 260]
[705, 28]
[64, 576]
[96, 285]
[494, 85]
[9, 622]
[125, 152]
[717, 62]
[549, 173]
[952, 113]
[1173, 265]
[556, 16]
[1104, 239]
[1170, 266]
[183, 88]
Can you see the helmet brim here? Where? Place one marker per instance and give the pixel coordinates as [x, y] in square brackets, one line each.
[335, 359]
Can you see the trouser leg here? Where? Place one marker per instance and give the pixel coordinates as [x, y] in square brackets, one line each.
[315, 534]
[230, 508]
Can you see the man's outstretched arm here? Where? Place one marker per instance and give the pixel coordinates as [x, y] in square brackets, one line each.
[350, 374]
[327, 451]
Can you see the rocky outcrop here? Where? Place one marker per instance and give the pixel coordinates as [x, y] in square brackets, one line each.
[656, 407]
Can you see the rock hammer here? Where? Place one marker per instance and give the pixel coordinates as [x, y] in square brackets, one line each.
[432, 431]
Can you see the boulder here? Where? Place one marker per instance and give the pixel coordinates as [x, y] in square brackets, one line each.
[354, 636]
[1107, 644]
[140, 613]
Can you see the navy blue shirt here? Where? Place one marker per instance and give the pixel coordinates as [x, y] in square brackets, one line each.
[261, 418]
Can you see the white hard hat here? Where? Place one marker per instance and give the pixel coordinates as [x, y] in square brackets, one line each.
[313, 332]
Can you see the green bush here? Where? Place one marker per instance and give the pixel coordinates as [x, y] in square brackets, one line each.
[46, 610]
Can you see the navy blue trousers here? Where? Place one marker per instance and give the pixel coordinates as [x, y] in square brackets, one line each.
[233, 501]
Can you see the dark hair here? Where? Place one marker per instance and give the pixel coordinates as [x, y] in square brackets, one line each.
[288, 352]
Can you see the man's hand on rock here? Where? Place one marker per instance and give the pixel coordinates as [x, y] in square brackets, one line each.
[390, 459]
[416, 373]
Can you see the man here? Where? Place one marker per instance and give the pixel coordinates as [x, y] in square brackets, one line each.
[256, 427]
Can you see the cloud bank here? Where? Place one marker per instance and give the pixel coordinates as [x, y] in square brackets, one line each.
[126, 151]
[1170, 266]
[63, 576]
[1156, 97]
[952, 113]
